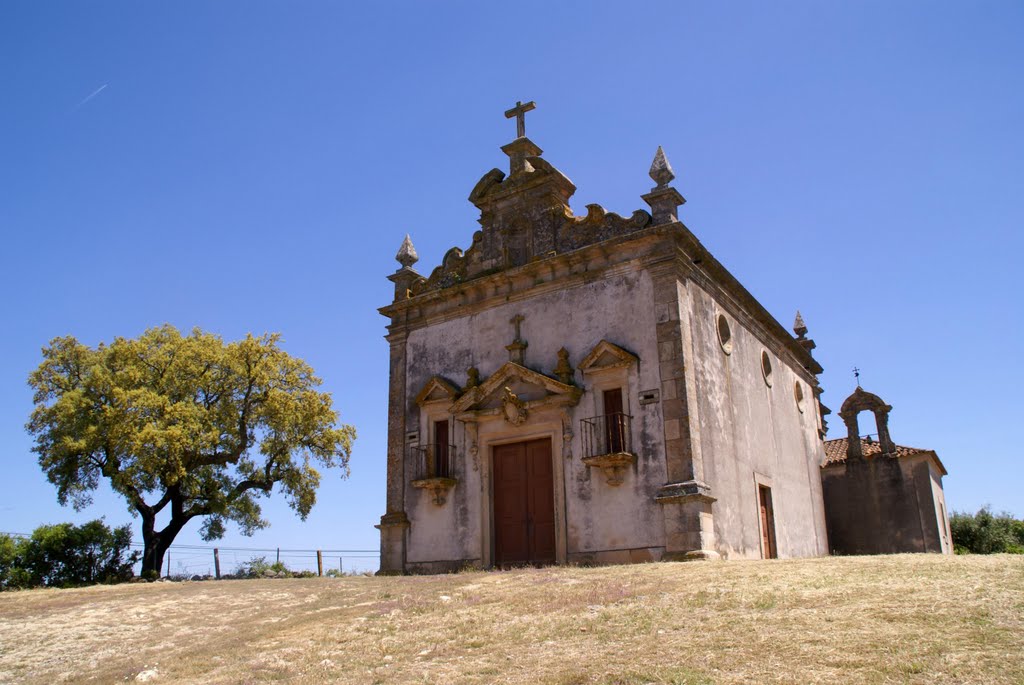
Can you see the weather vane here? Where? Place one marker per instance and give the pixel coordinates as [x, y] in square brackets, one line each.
[856, 374]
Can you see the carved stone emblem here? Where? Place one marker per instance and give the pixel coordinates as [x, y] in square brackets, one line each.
[513, 408]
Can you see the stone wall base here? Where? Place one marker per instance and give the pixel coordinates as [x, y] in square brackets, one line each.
[393, 529]
[689, 522]
[638, 555]
[445, 566]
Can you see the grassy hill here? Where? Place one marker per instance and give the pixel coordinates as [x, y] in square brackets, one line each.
[898, 619]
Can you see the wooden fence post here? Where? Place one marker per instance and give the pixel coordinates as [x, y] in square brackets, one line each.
[319, 563]
[278, 555]
[216, 562]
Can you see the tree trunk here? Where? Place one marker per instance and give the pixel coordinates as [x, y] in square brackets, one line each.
[154, 548]
[156, 543]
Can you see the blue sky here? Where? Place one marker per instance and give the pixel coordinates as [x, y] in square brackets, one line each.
[253, 166]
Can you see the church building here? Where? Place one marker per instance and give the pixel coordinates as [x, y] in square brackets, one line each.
[592, 389]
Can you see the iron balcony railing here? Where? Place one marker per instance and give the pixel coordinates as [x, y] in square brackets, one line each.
[434, 461]
[607, 434]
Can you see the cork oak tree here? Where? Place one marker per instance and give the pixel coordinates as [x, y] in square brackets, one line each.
[184, 427]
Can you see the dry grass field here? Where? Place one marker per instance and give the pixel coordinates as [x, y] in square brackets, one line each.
[899, 619]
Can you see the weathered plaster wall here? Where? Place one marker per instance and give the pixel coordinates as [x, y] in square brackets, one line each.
[882, 505]
[616, 306]
[941, 515]
[754, 433]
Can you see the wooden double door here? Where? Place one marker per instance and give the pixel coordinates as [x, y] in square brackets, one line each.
[524, 504]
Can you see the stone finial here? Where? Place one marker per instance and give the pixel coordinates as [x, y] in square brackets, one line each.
[661, 170]
[407, 253]
[799, 327]
[663, 198]
[564, 371]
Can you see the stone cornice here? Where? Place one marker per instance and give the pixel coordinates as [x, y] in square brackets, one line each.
[686, 255]
[711, 275]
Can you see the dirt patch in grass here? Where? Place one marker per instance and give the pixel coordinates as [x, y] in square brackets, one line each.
[896, 619]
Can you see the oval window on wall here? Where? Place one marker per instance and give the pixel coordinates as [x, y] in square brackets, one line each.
[724, 334]
[766, 368]
[798, 395]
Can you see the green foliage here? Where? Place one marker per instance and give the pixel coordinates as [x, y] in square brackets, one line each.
[65, 555]
[186, 422]
[338, 573]
[986, 533]
[256, 567]
[12, 555]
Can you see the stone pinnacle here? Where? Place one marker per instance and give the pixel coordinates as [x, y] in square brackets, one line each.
[661, 170]
[407, 253]
[799, 327]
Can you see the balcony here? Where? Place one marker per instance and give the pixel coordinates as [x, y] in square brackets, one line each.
[608, 445]
[434, 470]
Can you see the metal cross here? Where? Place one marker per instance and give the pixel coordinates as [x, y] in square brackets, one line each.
[856, 374]
[516, 320]
[519, 112]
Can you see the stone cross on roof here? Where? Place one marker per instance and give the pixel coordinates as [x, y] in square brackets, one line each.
[519, 112]
[518, 346]
[516, 321]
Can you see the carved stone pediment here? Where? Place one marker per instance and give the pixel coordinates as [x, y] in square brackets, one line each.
[492, 178]
[536, 171]
[606, 355]
[597, 225]
[513, 392]
[451, 271]
[437, 388]
[513, 407]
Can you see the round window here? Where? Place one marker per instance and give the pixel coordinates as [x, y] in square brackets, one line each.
[766, 368]
[798, 395]
[724, 334]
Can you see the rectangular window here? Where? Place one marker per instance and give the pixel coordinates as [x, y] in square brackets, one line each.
[614, 421]
[442, 463]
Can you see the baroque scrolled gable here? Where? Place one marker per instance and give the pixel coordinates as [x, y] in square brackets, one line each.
[525, 216]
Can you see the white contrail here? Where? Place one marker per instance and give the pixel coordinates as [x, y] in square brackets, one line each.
[91, 96]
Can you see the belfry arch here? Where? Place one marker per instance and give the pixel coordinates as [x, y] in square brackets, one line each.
[861, 401]
[880, 497]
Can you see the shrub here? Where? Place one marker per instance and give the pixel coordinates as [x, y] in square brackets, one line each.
[252, 568]
[986, 533]
[258, 566]
[12, 553]
[66, 555]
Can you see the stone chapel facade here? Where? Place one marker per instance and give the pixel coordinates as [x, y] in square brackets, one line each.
[592, 389]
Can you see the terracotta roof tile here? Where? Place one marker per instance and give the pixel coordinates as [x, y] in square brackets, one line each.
[835, 450]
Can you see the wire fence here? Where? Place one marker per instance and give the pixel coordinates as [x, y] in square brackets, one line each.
[202, 560]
